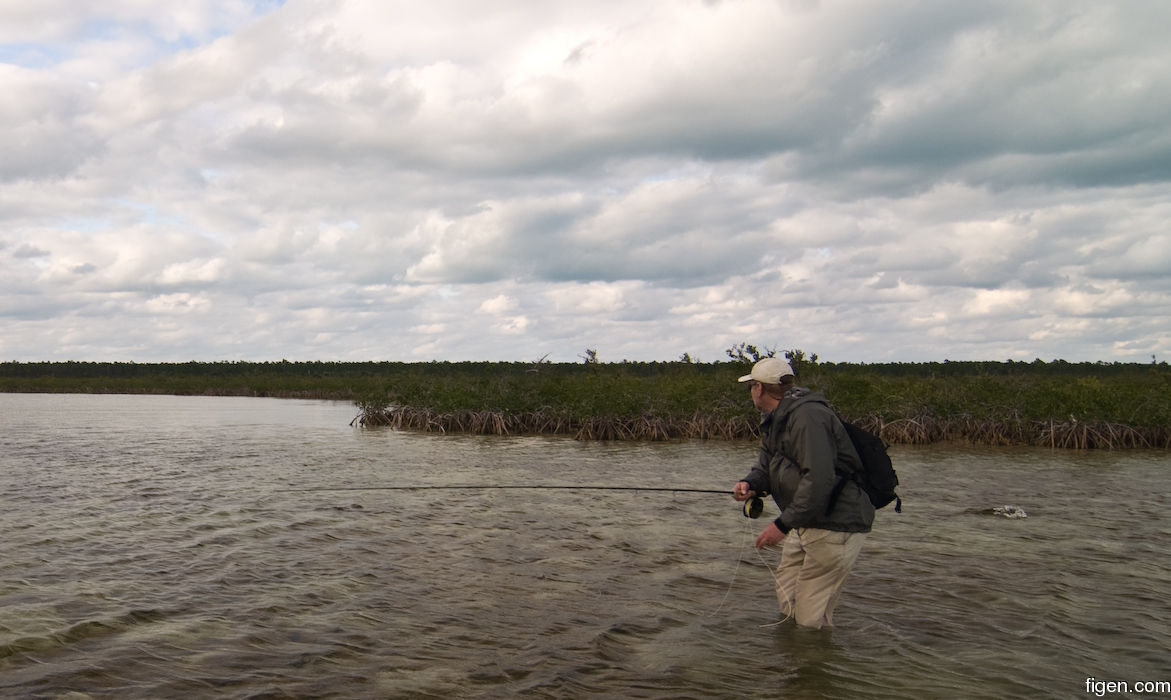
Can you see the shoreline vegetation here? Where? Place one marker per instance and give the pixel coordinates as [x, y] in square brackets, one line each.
[1054, 404]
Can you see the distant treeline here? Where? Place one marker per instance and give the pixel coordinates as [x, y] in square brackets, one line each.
[1055, 403]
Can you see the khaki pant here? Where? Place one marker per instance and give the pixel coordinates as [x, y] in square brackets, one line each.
[814, 565]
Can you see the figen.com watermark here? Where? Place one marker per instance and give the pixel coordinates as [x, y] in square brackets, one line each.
[1102, 688]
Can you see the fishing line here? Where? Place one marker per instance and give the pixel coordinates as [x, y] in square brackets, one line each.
[745, 539]
[739, 559]
[777, 582]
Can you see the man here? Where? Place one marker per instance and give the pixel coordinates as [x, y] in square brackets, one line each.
[804, 451]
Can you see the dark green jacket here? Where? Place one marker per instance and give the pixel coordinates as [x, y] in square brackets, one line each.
[802, 441]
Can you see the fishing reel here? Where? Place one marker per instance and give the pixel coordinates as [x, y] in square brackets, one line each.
[753, 508]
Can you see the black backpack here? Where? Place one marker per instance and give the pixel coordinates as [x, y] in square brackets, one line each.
[877, 478]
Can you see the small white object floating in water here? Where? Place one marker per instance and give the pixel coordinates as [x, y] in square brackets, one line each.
[1014, 512]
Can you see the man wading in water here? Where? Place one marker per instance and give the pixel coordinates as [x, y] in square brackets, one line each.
[802, 441]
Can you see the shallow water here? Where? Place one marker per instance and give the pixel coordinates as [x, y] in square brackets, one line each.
[150, 548]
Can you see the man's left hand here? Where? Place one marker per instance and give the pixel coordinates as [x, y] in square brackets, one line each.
[769, 536]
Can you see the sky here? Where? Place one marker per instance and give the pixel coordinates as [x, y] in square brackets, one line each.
[335, 180]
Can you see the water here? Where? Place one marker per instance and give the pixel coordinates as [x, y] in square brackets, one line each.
[149, 549]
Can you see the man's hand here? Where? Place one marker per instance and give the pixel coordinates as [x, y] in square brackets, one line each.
[741, 491]
[769, 536]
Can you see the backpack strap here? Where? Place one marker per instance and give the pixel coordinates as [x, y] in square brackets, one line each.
[843, 478]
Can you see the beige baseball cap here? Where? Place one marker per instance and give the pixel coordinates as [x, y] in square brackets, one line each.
[769, 371]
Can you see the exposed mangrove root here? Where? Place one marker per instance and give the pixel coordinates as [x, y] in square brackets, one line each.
[917, 430]
[1071, 434]
[593, 428]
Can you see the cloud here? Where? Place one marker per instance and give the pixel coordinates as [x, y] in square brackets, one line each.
[28, 250]
[497, 305]
[391, 180]
[41, 116]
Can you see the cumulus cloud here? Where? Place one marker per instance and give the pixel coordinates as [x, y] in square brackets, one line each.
[394, 180]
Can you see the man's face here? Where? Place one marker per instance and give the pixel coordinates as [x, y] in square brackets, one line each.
[757, 392]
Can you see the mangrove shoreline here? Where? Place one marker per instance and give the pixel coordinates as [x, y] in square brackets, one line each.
[919, 430]
[1051, 404]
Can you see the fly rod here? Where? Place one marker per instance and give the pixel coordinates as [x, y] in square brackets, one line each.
[752, 508]
[571, 487]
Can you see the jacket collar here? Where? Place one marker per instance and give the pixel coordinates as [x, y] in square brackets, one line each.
[793, 397]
